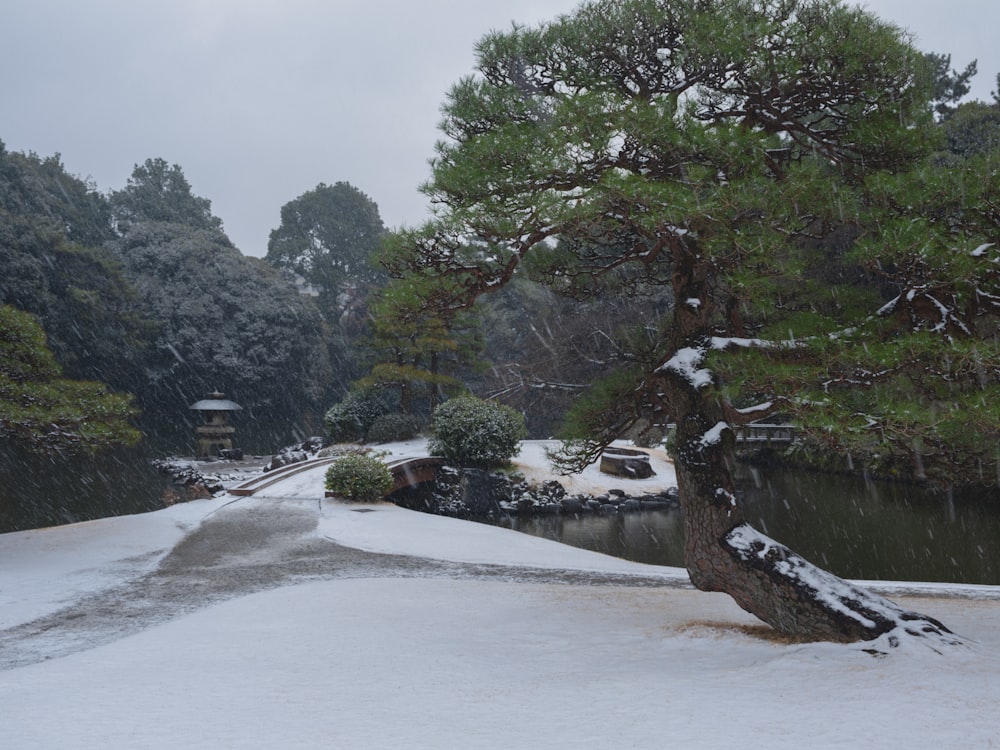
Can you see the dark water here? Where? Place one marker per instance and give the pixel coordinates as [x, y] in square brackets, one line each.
[852, 527]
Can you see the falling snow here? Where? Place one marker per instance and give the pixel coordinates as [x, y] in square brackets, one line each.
[388, 662]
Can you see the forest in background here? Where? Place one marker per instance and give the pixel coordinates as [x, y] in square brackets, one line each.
[139, 291]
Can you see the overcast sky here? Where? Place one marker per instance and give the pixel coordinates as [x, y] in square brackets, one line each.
[260, 100]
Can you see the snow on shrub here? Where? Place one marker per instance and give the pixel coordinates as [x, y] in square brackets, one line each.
[360, 477]
[352, 418]
[469, 432]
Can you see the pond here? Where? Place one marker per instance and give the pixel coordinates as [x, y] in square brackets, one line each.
[853, 527]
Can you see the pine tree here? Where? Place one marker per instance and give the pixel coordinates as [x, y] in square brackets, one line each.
[733, 151]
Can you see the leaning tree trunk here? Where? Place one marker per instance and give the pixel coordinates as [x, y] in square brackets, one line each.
[724, 553]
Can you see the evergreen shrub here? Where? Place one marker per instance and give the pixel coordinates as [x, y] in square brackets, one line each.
[351, 419]
[359, 477]
[389, 428]
[469, 432]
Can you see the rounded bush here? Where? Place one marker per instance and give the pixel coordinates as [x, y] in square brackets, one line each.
[470, 432]
[359, 477]
[351, 419]
[389, 428]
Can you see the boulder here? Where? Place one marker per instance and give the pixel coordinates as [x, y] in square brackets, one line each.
[626, 462]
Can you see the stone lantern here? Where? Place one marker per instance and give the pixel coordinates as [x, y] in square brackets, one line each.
[215, 434]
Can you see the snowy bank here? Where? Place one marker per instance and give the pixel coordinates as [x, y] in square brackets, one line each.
[441, 662]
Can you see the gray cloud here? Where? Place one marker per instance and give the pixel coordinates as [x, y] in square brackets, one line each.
[259, 101]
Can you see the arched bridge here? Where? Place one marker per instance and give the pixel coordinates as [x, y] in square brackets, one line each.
[407, 471]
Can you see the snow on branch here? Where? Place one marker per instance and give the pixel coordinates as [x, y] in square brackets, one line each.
[889, 307]
[763, 408]
[721, 343]
[992, 299]
[874, 614]
[686, 363]
[730, 343]
[714, 435]
[945, 315]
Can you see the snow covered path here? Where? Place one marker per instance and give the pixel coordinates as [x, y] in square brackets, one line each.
[282, 536]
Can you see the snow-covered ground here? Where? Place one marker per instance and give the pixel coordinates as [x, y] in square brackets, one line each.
[445, 662]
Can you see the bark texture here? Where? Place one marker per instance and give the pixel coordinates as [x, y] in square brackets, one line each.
[723, 553]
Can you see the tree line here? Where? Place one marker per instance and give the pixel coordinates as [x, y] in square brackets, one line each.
[138, 295]
[140, 290]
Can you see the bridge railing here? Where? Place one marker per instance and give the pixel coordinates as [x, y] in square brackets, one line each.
[763, 433]
[759, 433]
[407, 471]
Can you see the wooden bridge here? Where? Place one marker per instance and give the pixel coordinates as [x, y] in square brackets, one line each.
[761, 433]
[407, 471]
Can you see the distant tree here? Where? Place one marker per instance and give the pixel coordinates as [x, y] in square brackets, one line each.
[973, 129]
[42, 410]
[327, 237]
[416, 349]
[225, 322]
[56, 202]
[949, 85]
[544, 349]
[157, 191]
[52, 265]
[722, 149]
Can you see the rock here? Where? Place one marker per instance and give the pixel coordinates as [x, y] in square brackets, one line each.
[571, 505]
[553, 489]
[481, 492]
[196, 484]
[297, 453]
[476, 494]
[626, 462]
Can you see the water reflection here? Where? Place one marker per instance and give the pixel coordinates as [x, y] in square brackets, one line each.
[879, 530]
[654, 537]
[852, 527]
